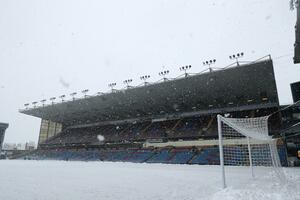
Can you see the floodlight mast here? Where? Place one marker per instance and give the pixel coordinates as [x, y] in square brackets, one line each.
[84, 92]
[127, 82]
[34, 104]
[112, 85]
[43, 102]
[26, 105]
[144, 78]
[73, 95]
[209, 63]
[164, 74]
[185, 68]
[62, 97]
[52, 100]
[236, 57]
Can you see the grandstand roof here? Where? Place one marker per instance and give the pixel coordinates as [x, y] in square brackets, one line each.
[247, 86]
[3, 125]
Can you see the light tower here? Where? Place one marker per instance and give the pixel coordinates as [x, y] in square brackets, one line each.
[34, 104]
[185, 68]
[236, 57]
[26, 105]
[112, 85]
[209, 63]
[73, 95]
[164, 74]
[52, 100]
[43, 102]
[62, 97]
[127, 82]
[84, 92]
[144, 78]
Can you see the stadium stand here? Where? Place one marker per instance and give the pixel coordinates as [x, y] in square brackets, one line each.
[182, 156]
[207, 156]
[173, 121]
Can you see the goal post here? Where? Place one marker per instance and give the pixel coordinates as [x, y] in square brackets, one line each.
[246, 142]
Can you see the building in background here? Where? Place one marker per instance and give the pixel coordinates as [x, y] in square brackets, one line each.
[295, 87]
[19, 146]
[30, 146]
[3, 127]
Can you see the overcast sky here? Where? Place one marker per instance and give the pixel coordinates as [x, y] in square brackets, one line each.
[54, 47]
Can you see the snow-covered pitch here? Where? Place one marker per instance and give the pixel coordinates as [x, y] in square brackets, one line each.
[63, 180]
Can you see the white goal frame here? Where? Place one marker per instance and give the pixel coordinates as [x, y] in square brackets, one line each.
[254, 129]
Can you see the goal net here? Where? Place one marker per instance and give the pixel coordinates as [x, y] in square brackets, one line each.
[246, 142]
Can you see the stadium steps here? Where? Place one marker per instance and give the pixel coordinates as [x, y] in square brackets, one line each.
[139, 156]
[208, 156]
[148, 126]
[172, 155]
[125, 129]
[180, 156]
[209, 125]
[153, 154]
[175, 126]
[194, 157]
[165, 155]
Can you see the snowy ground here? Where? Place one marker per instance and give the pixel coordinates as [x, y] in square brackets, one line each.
[61, 180]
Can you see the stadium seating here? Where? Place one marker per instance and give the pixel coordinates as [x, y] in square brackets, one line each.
[282, 152]
[140, 156]
[81, 139]
[186, 128]
[181, 156]
[162, 156]
[114, 155]
[207, 156]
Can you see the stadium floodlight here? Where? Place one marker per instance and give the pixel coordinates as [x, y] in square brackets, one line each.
[112, 85]
[52, 100]
[127, 82]
[73, 95]
[164, 74]
[84, 92]
[185, 68]
[43, 102]
[144, 78]
[236, 57]
[62, 97]
[26, 105]
[34, 104]
[209, 63]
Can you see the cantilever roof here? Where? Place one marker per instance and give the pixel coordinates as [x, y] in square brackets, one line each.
[3, 125]
[251, 84]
